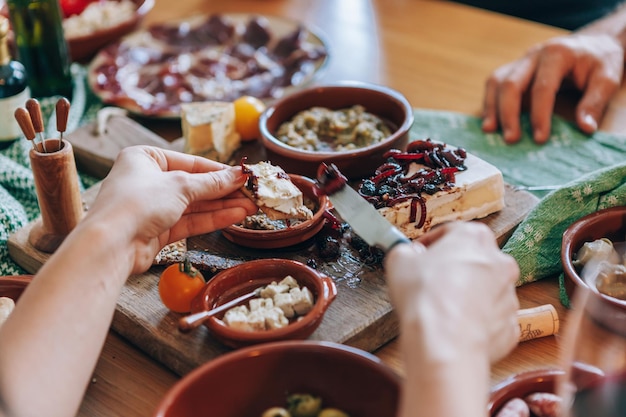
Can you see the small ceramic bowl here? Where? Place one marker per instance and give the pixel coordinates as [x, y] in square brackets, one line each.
[245, 278]
[249, 381]
[298, 233]
[521, 385]
[608, 223]
[12, 286]
[537, 381]
[381, 101]
[83, 48]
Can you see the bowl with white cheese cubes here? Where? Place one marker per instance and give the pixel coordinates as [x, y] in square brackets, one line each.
[288, 301]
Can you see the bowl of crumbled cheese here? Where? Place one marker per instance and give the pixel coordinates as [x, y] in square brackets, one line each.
[101, 23]
[11, 288]
[289, 302]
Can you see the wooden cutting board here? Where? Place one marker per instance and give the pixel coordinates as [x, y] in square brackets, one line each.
[360, 316]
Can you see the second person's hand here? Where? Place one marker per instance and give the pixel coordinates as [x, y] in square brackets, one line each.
[592, 62]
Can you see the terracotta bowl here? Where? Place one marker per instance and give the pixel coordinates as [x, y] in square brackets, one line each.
[540, 380]
[244, 278]
[609, 223]
[384, 102]
[272, 239]
[521, 385]
[249, 381]
[83, 48]
[13, 286]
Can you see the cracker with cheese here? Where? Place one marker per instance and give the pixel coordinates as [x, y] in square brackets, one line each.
[209, 129]
[272, 190]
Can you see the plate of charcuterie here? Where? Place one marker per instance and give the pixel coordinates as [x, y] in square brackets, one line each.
[153, 71]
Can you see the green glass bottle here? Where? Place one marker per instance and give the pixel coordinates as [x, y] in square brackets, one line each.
[41, 46]
[13, 89]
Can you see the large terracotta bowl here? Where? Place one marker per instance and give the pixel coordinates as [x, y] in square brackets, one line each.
[245, 278]
[83, 48]
[249, 381]
[293, 235]
[381, 101]
[608, 223]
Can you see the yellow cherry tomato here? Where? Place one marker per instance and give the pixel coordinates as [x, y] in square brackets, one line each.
[178, 285]
[248, 110]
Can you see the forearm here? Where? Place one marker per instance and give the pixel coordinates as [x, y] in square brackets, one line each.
[442, 378]
[54, 337]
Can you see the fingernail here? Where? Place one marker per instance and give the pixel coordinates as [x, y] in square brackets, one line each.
[508, 135]
[590, 121]
[538, 136]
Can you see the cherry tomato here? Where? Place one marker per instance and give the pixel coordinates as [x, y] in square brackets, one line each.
[178, 285]
[248, 110]
[72, 7]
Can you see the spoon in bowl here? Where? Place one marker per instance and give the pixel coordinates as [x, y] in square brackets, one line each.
[192, 321]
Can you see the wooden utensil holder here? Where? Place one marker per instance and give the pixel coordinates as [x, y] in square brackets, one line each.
[58, 194]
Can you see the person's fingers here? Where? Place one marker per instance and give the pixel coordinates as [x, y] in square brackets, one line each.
[205, 206]
[601, 86]
[552, 67]
[509, 99]
[177, 161]
[209, 185]
[490, 103]
[200, 223]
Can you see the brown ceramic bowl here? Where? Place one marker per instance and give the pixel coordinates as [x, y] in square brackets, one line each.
[384, 102]
[540, 380]
[12, 286]
[83, 48]
[609, 223]
[244, 278]
[521, 385]
[249, 381]
[272, 239]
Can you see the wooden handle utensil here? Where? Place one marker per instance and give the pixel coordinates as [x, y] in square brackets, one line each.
[34, 109]
[62, 111]
[26, 124]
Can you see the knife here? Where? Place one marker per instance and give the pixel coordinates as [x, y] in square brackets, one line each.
[364, 219]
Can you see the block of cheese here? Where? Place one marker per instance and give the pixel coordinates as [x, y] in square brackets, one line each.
[209, 129]
[477, 192]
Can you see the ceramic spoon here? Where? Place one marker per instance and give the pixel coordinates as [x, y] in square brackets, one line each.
[194, 320]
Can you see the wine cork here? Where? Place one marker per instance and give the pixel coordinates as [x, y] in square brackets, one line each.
[537, 322]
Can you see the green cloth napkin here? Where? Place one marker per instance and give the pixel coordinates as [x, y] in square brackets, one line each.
[18, 199]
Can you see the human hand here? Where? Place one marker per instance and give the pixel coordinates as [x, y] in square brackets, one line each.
[154, 197]
[457, 281]
[593, 62]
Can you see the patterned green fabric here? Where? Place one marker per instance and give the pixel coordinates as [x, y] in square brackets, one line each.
[18, 199]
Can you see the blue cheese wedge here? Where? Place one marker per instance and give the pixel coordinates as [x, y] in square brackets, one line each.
[209, 129]
[478, 192]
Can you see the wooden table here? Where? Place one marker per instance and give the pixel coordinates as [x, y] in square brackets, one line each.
[438, 54]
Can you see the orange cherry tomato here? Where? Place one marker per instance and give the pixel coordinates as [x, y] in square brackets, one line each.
[178, 285]
[248, 110]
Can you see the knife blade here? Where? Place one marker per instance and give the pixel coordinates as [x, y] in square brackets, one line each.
[364, 219]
